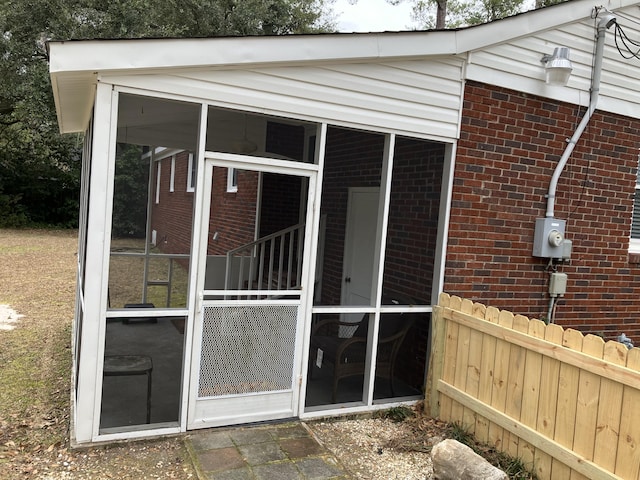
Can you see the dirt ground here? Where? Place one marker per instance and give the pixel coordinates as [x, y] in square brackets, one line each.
[37, 281]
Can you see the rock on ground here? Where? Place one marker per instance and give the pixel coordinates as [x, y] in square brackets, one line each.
[454, 461]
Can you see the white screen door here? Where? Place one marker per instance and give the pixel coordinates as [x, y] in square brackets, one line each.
[249, 319]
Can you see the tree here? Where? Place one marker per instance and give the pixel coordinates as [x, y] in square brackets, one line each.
[39, 168]
[461, 13]
[440, 14]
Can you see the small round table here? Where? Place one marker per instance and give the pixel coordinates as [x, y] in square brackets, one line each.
[120, 365]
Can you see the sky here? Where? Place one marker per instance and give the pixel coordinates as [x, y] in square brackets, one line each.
[372, 16]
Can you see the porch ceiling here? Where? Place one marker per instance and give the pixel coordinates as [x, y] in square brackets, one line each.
[153, 121]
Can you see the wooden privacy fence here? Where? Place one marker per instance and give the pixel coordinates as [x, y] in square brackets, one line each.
[564, 403]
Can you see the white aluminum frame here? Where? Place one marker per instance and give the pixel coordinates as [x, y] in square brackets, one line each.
[88, 401]
[198, 407]
[88, 406]
[368, 402]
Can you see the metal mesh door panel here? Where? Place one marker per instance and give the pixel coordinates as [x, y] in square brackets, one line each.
[247, 349]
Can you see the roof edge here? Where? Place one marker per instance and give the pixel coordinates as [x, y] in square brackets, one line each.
[118, 55]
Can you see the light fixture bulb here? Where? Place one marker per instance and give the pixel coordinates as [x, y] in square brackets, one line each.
[558, 66]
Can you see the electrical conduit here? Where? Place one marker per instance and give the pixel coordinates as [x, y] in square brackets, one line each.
[605, 22]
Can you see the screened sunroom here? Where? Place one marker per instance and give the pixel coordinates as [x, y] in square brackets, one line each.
[261, 227]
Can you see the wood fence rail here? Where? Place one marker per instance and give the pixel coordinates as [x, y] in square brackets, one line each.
[564, 403]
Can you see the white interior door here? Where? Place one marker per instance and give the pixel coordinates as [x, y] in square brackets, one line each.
[247, 348]
[359, 250]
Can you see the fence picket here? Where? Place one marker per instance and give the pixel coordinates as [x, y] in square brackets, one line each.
[587, 404]
[449, 366]
[486, 374]
[515, 377]
[531, 392]
[500, 380]
[610, 403]
[436, 359]
[548, 398]
[628, 458]
[462, 369]
[474, 362]
[568, 380]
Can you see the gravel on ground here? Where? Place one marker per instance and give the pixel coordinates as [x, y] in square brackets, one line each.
[381, 448]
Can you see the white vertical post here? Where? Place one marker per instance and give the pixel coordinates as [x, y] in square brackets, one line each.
[378, 266]
[199, 235]
[443, 221]
[309, 266]
[95, 285]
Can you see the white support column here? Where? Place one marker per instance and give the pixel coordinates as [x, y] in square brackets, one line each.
[200, 230]
[89, 384]
[378, 266]
[311, 252]
[444, 215]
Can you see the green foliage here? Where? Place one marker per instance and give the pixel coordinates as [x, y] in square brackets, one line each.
[12, 213]
[130, 192]
[461, 434]
[462, 13]
[515, 468]
[399, 414]
[39, 168]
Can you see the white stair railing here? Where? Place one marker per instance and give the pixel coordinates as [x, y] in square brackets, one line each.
[274, 262]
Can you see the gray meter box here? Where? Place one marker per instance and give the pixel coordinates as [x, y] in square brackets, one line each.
[548, 238]
[557, 284]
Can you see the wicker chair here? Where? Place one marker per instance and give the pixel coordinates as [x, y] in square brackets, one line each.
[347, 356]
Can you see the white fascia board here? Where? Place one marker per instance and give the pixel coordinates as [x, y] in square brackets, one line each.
[144, 55]
[529, 23]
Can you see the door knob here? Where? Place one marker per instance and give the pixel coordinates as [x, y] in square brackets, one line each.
[347, 280]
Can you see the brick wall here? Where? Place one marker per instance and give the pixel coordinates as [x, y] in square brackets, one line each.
[281, 208]
[233, 214]
[352, 159]
[509, 146]
[172, 217]
[413, 218]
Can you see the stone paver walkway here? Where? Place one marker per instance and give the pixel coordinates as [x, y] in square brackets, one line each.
[286, 451]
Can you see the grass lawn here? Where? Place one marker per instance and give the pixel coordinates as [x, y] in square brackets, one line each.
[37, 280]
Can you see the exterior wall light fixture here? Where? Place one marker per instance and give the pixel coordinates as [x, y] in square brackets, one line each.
[557, 66]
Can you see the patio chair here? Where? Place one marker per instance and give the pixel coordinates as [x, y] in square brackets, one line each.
[347, 356]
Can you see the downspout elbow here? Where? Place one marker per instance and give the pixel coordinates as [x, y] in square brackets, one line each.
[605, 22]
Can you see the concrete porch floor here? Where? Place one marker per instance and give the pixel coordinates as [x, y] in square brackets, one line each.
[279, 451]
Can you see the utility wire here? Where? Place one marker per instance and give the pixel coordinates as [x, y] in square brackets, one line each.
[587, 173]
[627, 47]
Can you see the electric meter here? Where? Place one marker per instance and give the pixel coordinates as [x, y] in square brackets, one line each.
[548, 238]
[555, 238]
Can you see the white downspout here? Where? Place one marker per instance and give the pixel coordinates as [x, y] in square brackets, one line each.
[605, 22]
